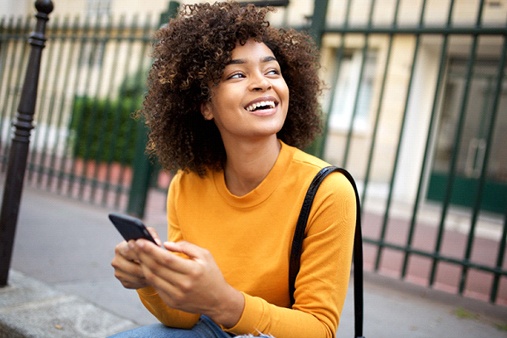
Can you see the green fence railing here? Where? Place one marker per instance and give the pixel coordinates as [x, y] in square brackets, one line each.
[421, 190]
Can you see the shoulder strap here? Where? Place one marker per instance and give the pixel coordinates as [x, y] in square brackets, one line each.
[297, 244]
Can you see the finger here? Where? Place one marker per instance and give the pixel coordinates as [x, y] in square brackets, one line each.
[123, 249]
[161, 261]
[190, 250]
[155, 235]
[129, 273]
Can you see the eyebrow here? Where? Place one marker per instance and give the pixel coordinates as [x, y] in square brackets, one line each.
[243, 61]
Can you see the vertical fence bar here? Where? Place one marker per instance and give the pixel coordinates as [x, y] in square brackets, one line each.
[378, 113]
[108, 40]
[321, 142]
[101, 37]
[499, 260]
[87, 32]
[63, 68]
[484, 170]
[358, 87]
[19, 149]
[383, 230]
[73, 41]
[457, 143]
[434, 110]
[110, 150]
[318, 20]
[144, 40]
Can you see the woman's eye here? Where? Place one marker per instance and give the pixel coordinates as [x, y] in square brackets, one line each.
[273, 72]
[236, 76]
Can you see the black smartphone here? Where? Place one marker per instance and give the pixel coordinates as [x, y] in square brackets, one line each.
[130, 227]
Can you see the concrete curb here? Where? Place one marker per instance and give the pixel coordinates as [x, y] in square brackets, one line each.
[29, 308]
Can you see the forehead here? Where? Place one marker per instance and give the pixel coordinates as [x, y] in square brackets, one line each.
[251, 49]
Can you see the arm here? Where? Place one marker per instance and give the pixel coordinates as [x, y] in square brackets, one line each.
[192, 283]
[185, 280]
[322, 282]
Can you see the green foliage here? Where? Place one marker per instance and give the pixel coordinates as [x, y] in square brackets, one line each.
[464, 314]
[502, 327]
[104, 130]
[134, 85]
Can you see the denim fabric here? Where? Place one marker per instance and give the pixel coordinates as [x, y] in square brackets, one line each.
[205, 328]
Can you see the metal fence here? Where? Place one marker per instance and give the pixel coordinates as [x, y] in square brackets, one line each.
[428, 111]
[417, 111]
[92, 80]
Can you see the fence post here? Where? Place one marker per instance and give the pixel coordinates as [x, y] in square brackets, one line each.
[142, 167]
[20, 141]
[317, 27]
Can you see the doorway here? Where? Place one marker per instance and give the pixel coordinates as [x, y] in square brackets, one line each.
[472, 148]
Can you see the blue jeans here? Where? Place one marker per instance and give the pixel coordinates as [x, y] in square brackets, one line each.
[205, 328]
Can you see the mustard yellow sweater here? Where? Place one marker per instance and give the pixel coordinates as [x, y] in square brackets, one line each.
[250, 238]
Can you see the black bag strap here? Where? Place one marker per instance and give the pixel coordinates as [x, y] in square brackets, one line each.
[297, 244]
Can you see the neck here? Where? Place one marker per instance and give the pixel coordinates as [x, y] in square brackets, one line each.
[248, 164]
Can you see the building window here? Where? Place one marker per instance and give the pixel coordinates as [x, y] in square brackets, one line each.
[353, 92]
[94, 49]
[98, 8]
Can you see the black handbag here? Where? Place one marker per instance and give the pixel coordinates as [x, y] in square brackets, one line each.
[297, 243]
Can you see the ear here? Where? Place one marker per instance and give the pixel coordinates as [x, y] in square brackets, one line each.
[206, 111]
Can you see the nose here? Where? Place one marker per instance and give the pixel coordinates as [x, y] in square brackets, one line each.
[259, 82]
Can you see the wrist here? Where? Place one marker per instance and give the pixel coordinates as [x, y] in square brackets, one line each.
[230, 309]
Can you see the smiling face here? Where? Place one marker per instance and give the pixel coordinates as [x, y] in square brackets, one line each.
[252, 98]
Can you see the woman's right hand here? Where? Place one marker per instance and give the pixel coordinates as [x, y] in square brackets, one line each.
[126, 264]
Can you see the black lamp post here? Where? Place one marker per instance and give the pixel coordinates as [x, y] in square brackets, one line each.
[19, 147]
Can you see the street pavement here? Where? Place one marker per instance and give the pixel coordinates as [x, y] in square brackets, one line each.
[62, 285]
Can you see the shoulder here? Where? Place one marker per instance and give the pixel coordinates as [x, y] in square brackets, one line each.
[308, 166]
[185, 181]
[304, 167]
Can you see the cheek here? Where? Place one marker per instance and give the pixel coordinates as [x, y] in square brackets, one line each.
[284, 89]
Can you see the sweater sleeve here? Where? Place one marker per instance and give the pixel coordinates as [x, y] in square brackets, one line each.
[166, 315]
[322, 282]
[149, 296]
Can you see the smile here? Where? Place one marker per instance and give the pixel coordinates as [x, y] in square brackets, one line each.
[261, 105]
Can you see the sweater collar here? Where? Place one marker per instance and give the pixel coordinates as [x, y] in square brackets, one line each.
[264, 189]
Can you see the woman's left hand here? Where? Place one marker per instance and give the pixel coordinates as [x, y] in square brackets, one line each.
[193, 283]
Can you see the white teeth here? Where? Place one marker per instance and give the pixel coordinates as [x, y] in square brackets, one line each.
[254, 106]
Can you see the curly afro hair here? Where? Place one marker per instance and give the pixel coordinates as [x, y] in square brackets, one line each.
[191, 52]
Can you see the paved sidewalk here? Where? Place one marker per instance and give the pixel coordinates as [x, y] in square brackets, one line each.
[62, 285]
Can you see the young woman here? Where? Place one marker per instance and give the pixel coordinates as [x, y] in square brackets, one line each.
[230, 101]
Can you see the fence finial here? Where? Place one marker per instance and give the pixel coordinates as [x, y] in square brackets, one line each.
[44, 6]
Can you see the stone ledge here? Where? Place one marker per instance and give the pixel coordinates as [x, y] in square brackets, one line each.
[29, 308]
